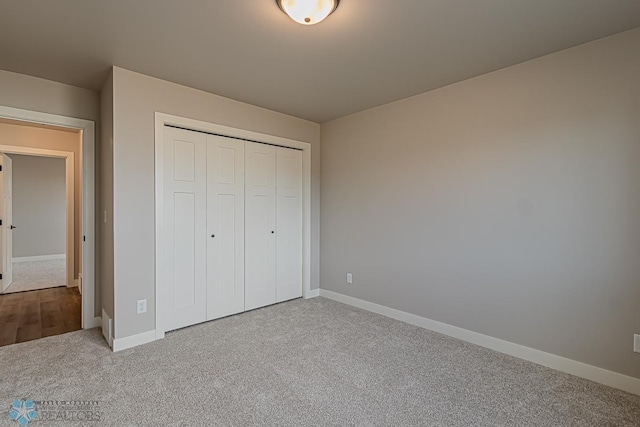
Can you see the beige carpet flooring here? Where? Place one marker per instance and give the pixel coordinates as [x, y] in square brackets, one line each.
[305, 363]
[33, 275]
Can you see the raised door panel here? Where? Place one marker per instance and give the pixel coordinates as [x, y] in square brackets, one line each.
[288, 224]
[225, 222]
[260, 209]
[184, 256]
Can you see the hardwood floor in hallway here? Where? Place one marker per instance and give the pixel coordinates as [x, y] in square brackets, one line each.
[26, 316]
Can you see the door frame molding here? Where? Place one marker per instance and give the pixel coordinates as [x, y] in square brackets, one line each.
[87, 192]
[162, 119]
[69, 166]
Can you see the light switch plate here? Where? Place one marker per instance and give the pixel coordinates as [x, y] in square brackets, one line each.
[349, 278]
[636, 343]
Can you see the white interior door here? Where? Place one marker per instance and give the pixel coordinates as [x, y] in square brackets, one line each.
[225, 223]
[6, 208]
[185, 227]
[260, 222]
[288, 224]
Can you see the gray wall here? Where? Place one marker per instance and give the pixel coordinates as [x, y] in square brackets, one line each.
[136, 98]
[39, 206]
[36, 94]
[105, 224]
[32, 93]
[507, 204]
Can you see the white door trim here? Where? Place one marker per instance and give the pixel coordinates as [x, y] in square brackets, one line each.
[69, 192]
[87, 148]
[162, 119]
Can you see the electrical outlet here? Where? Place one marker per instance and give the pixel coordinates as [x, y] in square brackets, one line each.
[142, 306]
[349, 278]
[636, 343]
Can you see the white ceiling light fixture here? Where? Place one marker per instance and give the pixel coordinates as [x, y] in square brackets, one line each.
[308, 12]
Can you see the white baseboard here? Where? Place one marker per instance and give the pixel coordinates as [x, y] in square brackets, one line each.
[39, 258]
[313, 293]
[579, 369]
[120, 344]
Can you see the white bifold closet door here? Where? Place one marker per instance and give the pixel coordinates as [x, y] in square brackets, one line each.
[225, 221]
[273, 225]
[288, 224]
[232, 226]
[185, 210]
[260, 225]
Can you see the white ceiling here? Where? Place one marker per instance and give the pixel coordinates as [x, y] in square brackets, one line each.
[368, 53]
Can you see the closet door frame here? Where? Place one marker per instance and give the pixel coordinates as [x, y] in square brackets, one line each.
[162, 120]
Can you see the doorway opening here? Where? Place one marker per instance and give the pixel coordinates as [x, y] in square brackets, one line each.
[47, 212]
[39, 200]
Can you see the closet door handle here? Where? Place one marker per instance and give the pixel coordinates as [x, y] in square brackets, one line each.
[13, 226]
[273, 232]
[213, 235]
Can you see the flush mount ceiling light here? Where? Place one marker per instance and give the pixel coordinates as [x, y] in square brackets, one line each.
[308, 12]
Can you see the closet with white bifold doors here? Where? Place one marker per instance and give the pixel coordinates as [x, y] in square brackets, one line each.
[233, 226]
